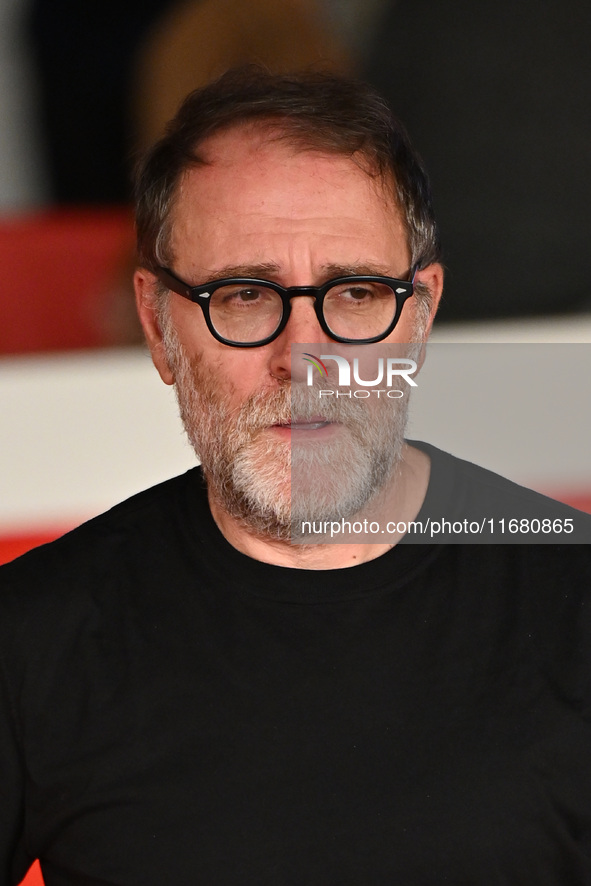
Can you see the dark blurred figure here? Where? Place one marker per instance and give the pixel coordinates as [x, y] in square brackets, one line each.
[112, 73]
[194, 41]
[84, 56]
[497, 98]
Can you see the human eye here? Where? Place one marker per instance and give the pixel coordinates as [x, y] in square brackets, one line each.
[358, 294]
[240, 297]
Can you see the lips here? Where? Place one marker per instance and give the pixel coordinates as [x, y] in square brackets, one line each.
[313, 423]
[307, 425]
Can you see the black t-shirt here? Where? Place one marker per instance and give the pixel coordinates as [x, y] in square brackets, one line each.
[173, 711]
[467, 504]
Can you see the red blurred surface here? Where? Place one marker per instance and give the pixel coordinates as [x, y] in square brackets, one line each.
[582, 502]
[12, 546]
[61, 270]
[34, 877]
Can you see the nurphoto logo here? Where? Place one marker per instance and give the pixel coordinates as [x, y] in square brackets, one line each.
[387, 372]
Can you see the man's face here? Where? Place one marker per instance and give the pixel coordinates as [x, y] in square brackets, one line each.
[261, 208]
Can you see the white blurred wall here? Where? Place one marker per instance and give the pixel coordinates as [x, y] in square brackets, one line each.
[80, 432]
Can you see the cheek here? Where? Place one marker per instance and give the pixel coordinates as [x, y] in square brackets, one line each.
[247, 380]
[236, 374]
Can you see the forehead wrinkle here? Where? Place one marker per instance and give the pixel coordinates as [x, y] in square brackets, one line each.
[298, 239]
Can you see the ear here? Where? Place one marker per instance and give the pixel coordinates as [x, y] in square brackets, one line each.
[432, 278]
[146, 300]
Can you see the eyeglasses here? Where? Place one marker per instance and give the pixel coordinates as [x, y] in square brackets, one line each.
[245, 312]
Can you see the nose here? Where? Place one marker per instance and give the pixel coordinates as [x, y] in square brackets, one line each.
[302, 328]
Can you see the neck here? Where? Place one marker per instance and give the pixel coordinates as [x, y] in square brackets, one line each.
[399, 502]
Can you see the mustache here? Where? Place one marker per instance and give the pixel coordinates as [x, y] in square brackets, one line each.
[301, 402]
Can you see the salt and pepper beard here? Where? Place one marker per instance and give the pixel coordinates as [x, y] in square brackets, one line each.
[269, 484]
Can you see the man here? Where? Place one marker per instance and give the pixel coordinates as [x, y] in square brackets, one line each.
[189, 696]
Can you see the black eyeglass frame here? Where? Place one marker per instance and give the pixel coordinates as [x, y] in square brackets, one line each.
[202, 294]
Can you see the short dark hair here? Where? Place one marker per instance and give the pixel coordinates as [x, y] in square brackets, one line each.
[319, 111]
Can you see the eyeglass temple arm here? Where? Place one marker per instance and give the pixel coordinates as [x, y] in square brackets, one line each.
[171, 282]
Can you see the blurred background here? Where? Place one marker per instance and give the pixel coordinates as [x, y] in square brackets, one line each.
[496, 96]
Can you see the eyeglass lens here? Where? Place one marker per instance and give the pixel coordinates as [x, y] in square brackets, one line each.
[359, 310]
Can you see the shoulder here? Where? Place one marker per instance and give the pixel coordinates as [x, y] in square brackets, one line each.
[506, 512]
[137, 513]
[132, 540]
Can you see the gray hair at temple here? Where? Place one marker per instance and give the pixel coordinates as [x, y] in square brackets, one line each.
[312, 111]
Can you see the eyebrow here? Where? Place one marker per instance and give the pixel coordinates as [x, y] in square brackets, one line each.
[263, 271]
[359, 270]
[270, 270]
